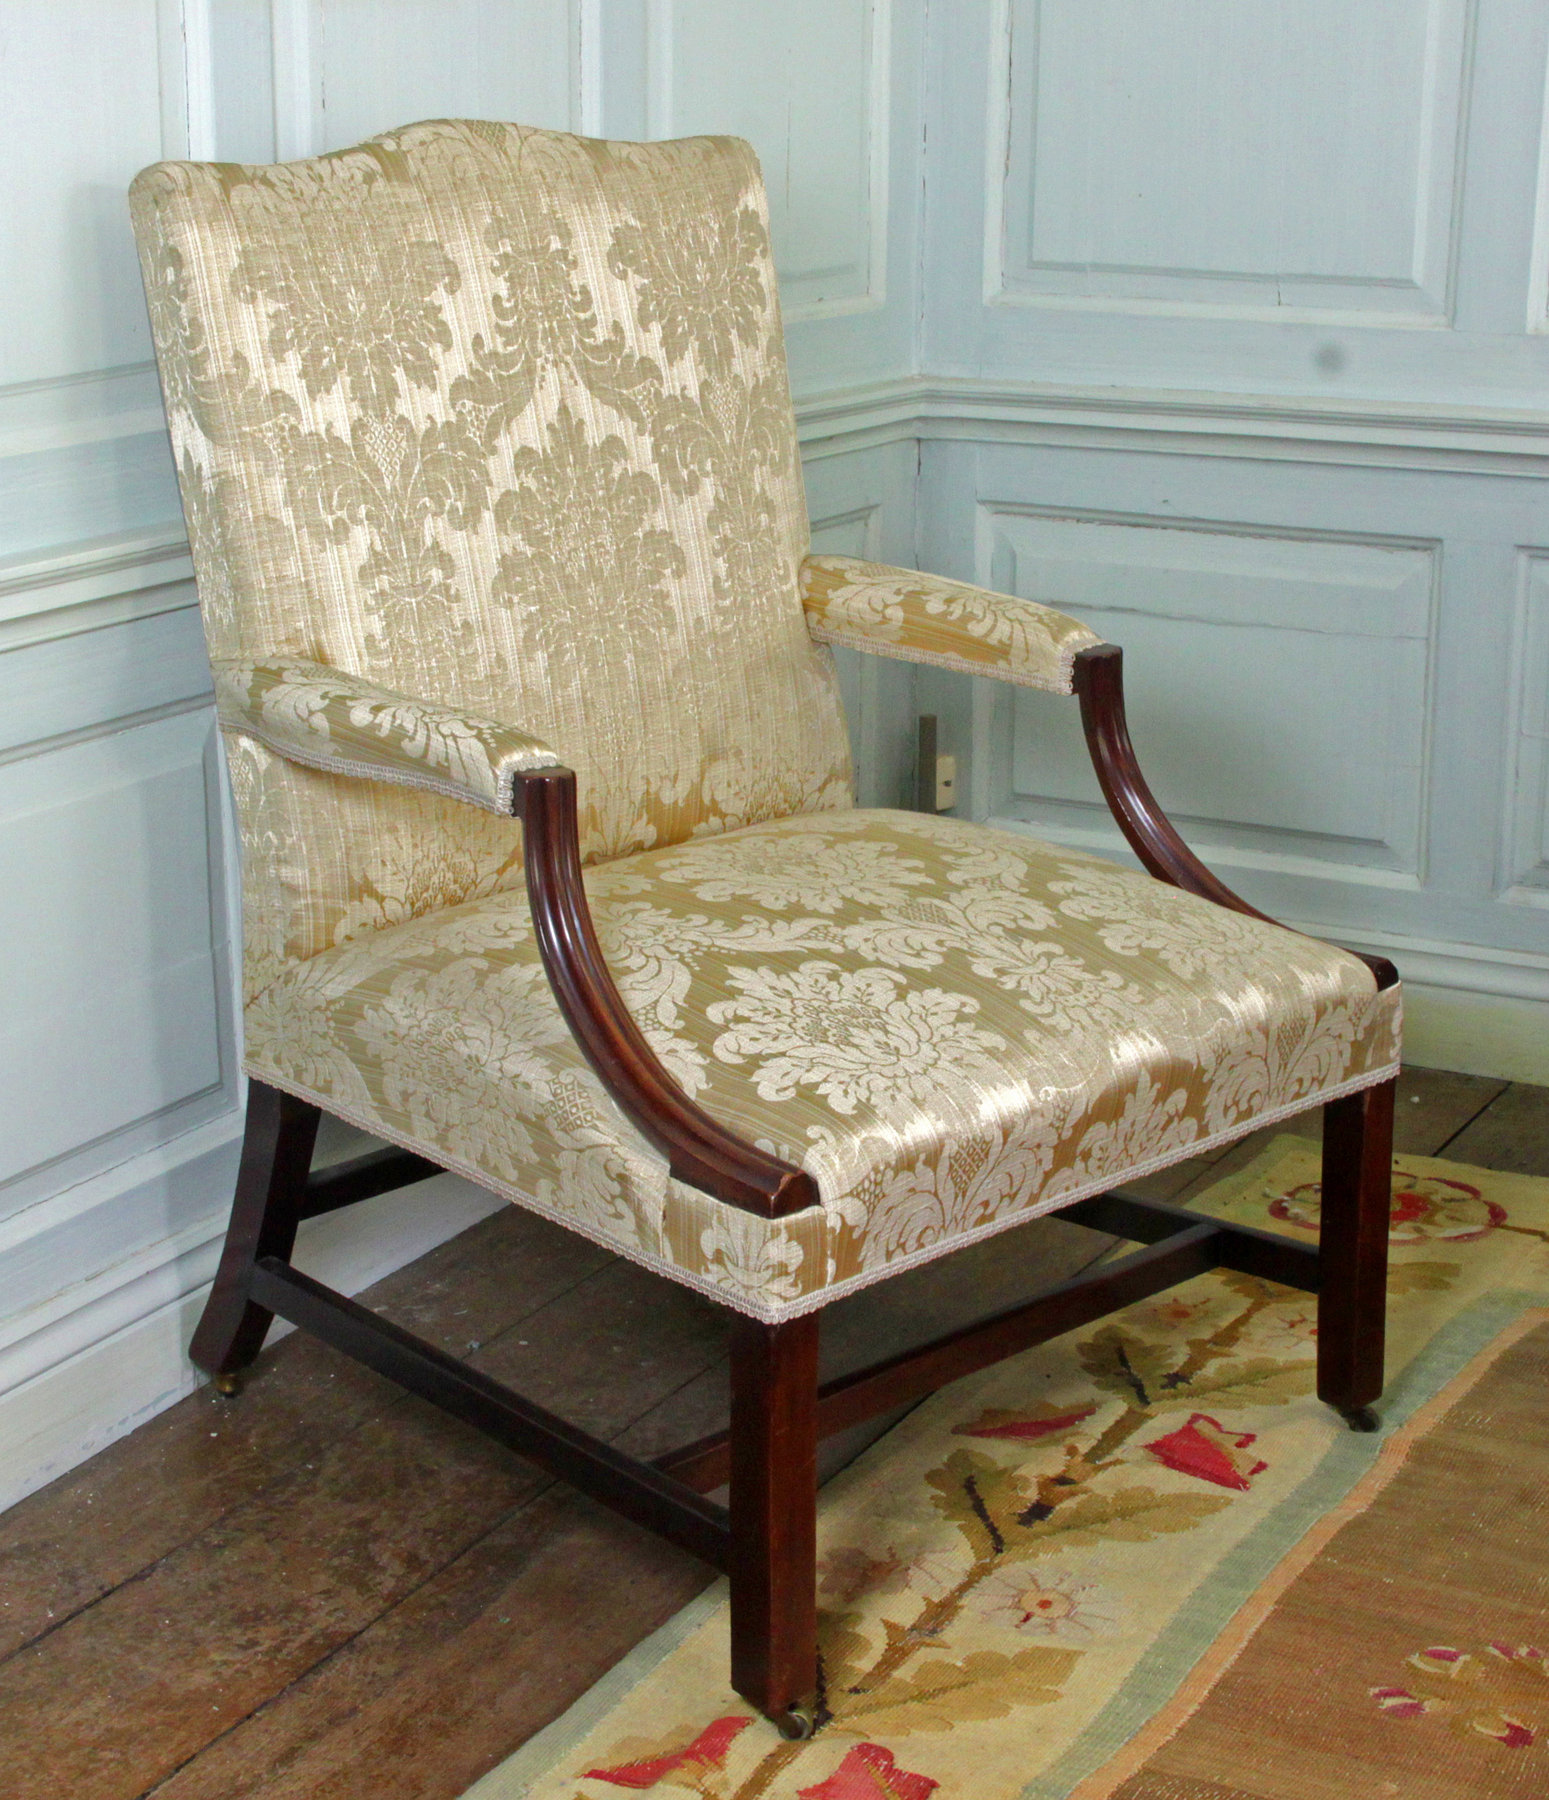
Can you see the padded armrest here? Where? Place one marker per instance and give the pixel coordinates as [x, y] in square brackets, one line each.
[928, 619]
[330, 720]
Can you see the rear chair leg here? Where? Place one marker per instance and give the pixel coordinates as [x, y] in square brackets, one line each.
[1352, 1300]
[773, 1449]
[271, 1186]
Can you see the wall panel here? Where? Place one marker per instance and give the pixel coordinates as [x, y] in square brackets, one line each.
[469, 59]
[1301, 199]
[1229, 634]
[1527, 797]
[83, 104]
[110, 916]
[1292, 157]
[809, 84]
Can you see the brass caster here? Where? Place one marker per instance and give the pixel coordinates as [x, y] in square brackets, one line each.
[796, 1724]
[229, 1383]
[1360, 1418]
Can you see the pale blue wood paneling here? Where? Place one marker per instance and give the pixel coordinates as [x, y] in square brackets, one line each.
[1280, 157]
[1525, 863]
[241, 70]
[117, 1053]
[111, 926]
[67, 686]
[1143, 326]
[381, 63]
[95, 488]
[82, 112]
[1227, 633]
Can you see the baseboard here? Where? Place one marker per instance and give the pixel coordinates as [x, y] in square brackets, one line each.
[1468, 1007]
[1477, 1034]
[108, 1354]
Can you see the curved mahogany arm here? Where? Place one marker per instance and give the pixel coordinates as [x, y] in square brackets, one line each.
[698, 1149]
[1099, 685]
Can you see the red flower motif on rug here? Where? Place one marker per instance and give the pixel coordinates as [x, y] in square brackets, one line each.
[999, 1424]
[1204, 1447]
[1471, 1693]
[869, 1772]
[708, 1751]
[1426, 1208]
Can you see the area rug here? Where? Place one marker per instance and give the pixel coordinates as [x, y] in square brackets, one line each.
[1045, 1559]
[1393, 1651]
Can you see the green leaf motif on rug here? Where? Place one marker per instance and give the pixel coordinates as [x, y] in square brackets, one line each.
[986, 1684]
[1126, 1365]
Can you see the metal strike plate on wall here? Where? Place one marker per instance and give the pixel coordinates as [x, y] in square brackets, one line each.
[935, 774]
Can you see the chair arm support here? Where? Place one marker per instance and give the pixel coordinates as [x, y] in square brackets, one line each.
[928, 619]
[340, 723]
[337, 722]
[1099, 685]
[698, 1149]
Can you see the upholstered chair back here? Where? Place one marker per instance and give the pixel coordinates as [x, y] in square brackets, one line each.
[497, 418]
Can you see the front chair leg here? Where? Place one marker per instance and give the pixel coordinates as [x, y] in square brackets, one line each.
[773, 1454]
[271, 1186]
[1353, 1250]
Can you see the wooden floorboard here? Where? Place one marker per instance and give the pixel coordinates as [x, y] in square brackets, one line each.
[499, 1642]
[177, 1475]
[1512, 1133]
[325, 1588]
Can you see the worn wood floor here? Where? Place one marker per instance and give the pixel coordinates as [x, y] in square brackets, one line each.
[326, 1589]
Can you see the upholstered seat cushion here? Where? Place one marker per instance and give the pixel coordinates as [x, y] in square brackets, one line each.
[951, 1028]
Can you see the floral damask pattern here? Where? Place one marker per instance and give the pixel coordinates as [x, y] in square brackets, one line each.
[498, 419]
[928, 619]
[858, 1036]
[921, 1043]
[336, 722]
[677, 255]
[391, 292]
[840, 872]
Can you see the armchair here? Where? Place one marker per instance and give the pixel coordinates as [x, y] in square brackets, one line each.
[485, 446]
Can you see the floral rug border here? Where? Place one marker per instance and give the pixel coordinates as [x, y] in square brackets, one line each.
[1394, 1451]
[1161, 1673]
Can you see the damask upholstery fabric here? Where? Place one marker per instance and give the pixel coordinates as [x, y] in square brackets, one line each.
[345, 726]
[499, 418]
[952, 1028]
[928, 619]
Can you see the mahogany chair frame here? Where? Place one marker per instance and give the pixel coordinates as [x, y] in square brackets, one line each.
[764, 1537]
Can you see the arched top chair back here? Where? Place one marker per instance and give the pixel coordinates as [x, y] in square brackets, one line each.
[499, 418]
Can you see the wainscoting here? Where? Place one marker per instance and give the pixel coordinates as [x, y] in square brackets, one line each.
[1226, 327]
[1235, 339]
[119, 1065]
